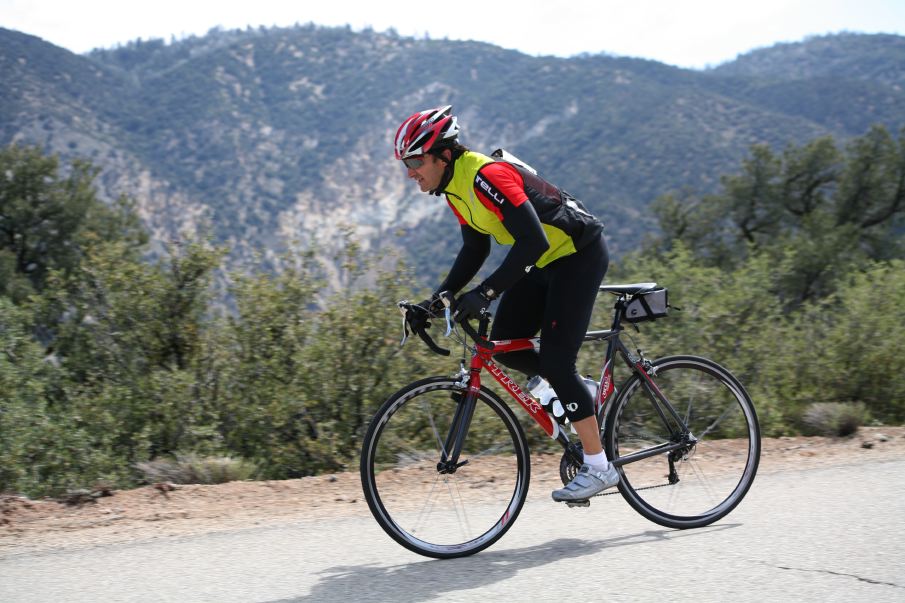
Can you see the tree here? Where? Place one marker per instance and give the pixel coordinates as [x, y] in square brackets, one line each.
[47, 218]
[872, 193]
[302, 370]
[815, 210]
[129, 342]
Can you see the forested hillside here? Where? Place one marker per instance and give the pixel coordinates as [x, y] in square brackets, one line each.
[266, 138]
[115, 369]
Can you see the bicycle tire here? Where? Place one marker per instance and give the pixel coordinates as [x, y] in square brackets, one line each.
[444, 515]
[711, 476]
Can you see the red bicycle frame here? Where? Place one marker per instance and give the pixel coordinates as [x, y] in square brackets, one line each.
[482, 358]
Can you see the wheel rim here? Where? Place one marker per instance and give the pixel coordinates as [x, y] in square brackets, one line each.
[444, 514]
[713, 473]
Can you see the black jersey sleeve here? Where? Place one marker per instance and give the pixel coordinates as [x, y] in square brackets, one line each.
[475, 249]
[530, 244]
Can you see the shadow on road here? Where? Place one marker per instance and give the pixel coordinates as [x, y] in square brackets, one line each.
[428, 580]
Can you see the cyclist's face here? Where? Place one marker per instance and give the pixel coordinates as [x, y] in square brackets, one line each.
[429, 174]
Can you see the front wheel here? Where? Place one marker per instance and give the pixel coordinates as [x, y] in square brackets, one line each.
[426, 507]
[675, 477]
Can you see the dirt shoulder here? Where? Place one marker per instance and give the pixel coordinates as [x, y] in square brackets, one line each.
[164, 511]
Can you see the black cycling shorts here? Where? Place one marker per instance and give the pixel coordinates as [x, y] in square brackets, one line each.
[556, 301]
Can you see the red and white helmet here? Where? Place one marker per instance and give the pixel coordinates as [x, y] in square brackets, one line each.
[427, 130]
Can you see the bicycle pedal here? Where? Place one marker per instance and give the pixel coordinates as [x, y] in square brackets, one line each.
[578, 503]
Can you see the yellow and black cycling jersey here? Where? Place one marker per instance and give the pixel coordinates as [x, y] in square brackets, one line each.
[515, 206]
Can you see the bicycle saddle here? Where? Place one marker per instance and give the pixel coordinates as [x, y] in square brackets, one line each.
[629, 289]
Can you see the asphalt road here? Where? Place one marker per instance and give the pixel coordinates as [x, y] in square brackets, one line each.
[830, 534]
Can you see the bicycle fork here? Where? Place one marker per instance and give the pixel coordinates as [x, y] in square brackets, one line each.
[458, 430]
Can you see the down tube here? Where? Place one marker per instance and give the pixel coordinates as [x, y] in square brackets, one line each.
[531, 406]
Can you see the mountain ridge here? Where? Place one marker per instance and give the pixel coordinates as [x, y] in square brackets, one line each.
[271, 138]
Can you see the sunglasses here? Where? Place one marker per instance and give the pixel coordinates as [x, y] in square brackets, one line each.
[413, 163]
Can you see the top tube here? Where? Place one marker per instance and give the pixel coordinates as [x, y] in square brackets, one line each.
[488, 348]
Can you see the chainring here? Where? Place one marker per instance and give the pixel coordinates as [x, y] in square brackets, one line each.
[568, 465]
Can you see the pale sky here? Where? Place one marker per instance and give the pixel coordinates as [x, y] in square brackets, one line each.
[686, 33]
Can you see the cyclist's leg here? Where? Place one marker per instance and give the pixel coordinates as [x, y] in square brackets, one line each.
[574, 282]
[519, 314]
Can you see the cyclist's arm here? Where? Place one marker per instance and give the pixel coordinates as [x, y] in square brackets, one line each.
[520, 220]
[475, 249]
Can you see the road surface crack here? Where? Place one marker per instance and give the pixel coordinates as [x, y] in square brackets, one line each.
[833, 573]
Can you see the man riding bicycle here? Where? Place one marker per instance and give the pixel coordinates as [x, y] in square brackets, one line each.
[547, 282]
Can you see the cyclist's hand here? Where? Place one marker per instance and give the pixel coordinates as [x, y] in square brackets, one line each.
[434, 305]
[420, 314]
[473, 304]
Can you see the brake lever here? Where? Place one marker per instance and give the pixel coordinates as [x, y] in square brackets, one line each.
[447, 302]
[404, 306]
[446, 298]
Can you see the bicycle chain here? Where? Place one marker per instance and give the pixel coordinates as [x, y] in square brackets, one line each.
[636, 490]
[617, 491]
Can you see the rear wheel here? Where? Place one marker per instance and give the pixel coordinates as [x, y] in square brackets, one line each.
[430, 509]
[713, 464]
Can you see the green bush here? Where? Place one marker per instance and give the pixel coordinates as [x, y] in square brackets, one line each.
[846, 348]
[194, 469]
[727, 316]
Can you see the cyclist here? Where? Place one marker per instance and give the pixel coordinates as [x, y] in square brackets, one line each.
[547, 282]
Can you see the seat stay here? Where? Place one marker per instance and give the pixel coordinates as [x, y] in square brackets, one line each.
[660, 401]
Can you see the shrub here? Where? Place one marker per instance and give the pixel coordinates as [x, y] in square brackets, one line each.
[833, 418]
[193, 469]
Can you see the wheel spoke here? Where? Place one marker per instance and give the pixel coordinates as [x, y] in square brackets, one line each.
[719, 420]
[449, 514]
[716, 470]
[430, 416]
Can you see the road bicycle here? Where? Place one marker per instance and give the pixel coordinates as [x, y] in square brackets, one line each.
[445, 464]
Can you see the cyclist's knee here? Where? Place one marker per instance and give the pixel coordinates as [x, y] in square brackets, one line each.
[570, 388]
[557, 365]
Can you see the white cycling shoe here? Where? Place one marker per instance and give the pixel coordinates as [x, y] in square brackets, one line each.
[587, 482]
